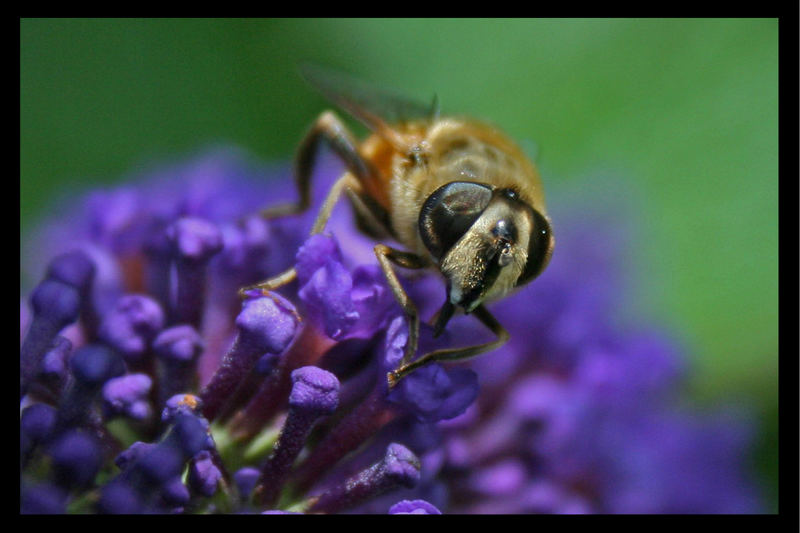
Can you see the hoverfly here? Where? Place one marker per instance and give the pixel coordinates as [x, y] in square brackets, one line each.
[458, 194]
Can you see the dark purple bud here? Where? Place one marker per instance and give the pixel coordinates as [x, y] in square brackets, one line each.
[55, 305]
[128, 396]
[76, 459]
[43, 499]
[194, 242]
[265, 324]
[37, 422]
[413, 507]
[159, 464]
[399, 468]
[73, 268]
[56, 301]
[204, 476]
[91, 365]
[129, 456]
[94, 364]
[315, 393]
[131, 325]
[246, 479]
[191, 434]
[119, 497]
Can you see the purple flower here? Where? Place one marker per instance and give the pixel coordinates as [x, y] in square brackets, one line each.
[413, 507]
[278, 403]
[127, 395]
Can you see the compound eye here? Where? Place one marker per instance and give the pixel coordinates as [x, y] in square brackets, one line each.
[449, 212]
[540, 248]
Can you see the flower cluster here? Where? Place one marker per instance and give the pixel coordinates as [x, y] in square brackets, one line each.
[148, 386]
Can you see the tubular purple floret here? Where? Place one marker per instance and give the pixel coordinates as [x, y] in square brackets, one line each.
[73, 268]
[265, 324]
[246, 479]
[57, 302]
[37, 422]
[55, 305]
[315, 393]
[401, 466]
[194, 242]
[94, 364]
[372, 413]
[91, 366]
[177, 348]
[268, 323]
[76, 268]
[36, 426]
[398, 468]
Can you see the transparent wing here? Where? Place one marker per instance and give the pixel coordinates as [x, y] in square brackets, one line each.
[376, 107]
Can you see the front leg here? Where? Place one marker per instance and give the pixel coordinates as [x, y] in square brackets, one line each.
[287, 276]
[454, 354]
[386, 256]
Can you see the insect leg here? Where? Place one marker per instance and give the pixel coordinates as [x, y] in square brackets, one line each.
[386, 256]
[327, 128]
[287, 276]
[455, 354]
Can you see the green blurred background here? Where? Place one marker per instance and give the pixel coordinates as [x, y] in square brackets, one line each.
[685, 110]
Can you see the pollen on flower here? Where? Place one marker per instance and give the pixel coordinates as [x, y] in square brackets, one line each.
[148, 385]
[190, 401]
